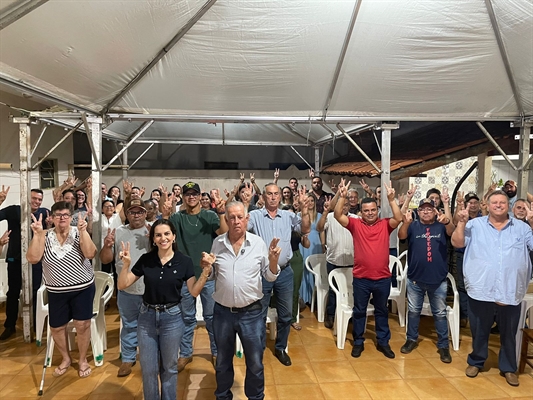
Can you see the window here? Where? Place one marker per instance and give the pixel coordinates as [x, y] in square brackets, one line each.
[48, 174]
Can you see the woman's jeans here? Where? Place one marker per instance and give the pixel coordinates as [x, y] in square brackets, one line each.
[437, 301]
[159, 334]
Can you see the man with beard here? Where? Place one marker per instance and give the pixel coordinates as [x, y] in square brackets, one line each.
[195, 227]
[320, 195]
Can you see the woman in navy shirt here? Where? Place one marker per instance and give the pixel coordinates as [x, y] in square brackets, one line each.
[160, 325]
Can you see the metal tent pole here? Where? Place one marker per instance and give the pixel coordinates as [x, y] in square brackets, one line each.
[386, 210]
[524, 161]
[95, 139]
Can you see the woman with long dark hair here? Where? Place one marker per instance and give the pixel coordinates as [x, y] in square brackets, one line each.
[160, 325]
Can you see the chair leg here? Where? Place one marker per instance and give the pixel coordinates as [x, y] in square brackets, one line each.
[97, 345]
[39, 329]
[341, 331]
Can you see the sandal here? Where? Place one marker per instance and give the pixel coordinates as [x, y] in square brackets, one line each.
[60, 371]
[296, 326]
[84, 373]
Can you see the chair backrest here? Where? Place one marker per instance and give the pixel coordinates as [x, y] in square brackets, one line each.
[104, 290]
[343, 289]
[316, 264]
[395, 262]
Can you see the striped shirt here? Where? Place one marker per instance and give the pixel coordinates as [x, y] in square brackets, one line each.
[65, 268]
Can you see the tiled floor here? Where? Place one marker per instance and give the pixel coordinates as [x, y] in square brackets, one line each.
[319, 370]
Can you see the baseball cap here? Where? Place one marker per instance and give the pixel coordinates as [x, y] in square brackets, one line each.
[426, 202]
[191, 186]
[471, 196]
[136, 203]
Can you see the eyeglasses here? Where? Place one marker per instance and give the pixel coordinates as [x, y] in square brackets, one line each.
[62, 216]
[136, 213]
[109, 206]
[191, 194]
[425, 210]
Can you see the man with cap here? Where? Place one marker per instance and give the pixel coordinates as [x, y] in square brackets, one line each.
[128, 300]
[428, 268]
[196, 228]
[471, 203]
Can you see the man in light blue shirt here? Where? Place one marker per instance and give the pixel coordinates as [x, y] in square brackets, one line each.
[497, 269]
[270, 222]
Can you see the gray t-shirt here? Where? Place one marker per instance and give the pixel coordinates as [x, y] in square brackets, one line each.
[139, 245]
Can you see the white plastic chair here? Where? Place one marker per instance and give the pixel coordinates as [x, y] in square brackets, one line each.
[199, 311]
[344, 295]
[104, 291]
[41, 313]
[526, 305]
[397, 294]
[3, 275]
[452, 313]
[316, 264]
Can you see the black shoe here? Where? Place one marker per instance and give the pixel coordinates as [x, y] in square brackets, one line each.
[8, 332]
[328, 322]
[386, 350]
[283, 357]
[495, 330]
[445, 355]
[409, 346]
[357, 350]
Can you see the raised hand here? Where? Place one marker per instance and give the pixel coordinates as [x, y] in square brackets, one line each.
[37, 225]
[4, 239]
[529, 214]
[333, 186]
[407, 217]
[327, 202]
[163, 189]
[391, 193]
[241, 177]
[246, 193]
[3, 193]
[89, 182]
[445, 196]
[82, 225]
[441, 217]
[311, 173]
[364, 185]
[302, 195]
[124, 254]
[412, 190]
[167, 206]
[142, 191]
[401, 199]
[127, 186]
[274, 251]
[343, 187]
[252, 177]
[228, 194]
[276, 174]
[49, 221]
[207, 260]
[109, 240]
[71, 181]
[462, 215]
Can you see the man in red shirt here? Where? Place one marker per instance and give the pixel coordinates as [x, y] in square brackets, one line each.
[371, 274]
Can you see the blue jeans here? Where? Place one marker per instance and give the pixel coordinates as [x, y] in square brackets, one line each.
[283, 289]
[460, 281]
[188, 308]
[128, 309]
[380, 290]
[160, 335]
[482, 315]
[250, 325]
[331, 304]
[437, 302]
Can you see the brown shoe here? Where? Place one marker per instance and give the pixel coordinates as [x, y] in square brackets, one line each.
[511, 378]
[471, 371]
[182, 362]
[125, 369]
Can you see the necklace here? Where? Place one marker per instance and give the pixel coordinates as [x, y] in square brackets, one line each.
[190, 223]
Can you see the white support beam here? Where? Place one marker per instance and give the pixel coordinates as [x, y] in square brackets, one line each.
[125, 162]
[20, 10]
[317, 161]
[43, 130]
[95, 140]
[97, 157]
[131, 140]
[386, 210]
[25, 212]
[523, 160]
[56, 146]
[340, 128]
[496, 145]
[302, 157]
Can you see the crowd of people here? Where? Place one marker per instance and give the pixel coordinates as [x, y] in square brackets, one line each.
[244, 253]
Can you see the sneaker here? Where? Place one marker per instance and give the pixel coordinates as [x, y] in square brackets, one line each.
[8, 332]
[445, 355]
[409, 346]
[125, 369]
[182, 362]
[328, 322]
[386, 350]
[357, 350]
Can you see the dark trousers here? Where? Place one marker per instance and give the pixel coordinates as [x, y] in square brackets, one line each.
[380, 290]
[331, 304]
[251, 328]
[14, 282]
[283, 287]
[482, 315]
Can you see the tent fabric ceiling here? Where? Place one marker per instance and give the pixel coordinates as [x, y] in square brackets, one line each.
[405, 60]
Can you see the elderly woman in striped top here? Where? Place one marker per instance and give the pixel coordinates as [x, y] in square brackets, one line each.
[65, 252]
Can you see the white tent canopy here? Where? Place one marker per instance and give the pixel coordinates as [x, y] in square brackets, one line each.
[281, 62]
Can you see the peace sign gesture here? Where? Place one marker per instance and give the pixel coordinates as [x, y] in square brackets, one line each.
[274, 251]
[391, 193]
[124, 254]
[82, 224]
[3, 193]
[4, 239]
[37, 225]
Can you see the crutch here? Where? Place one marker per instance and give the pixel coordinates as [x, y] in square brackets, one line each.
[47, 358]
